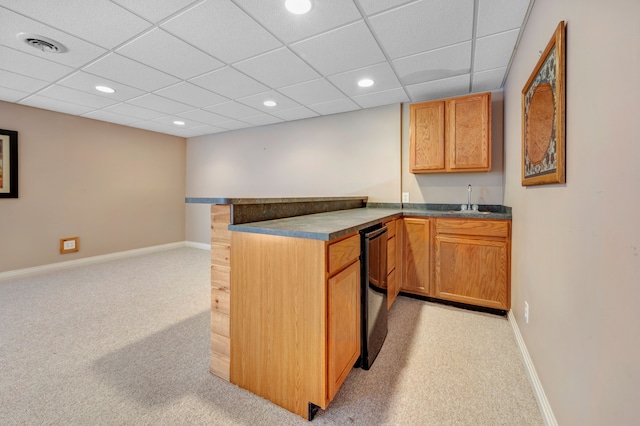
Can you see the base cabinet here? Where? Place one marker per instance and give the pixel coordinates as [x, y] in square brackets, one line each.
[416, 256]
[394, 259]
[295, 317]
[343, 311]
[471, 259]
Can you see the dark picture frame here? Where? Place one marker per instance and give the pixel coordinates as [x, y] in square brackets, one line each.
[543, 116]
[8, 164]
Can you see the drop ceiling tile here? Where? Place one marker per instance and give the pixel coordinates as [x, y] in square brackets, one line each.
[191, 94]
[435, 65]
[388, 97]
[324, 15]
[163, 128]
[208, 130]
[496, 16]
[312, 92]
[486, 81]
[295, 114]
[233, 125]
[126, 71]
[87, 82]
[383, 76]
[203, 116]
[10, 95]
[494, 51]
[169, 54]
[74, 96]
[343, 49]
[31, 66]
[78, 53]
[98, 21]
[160, 10]
[334, 107]
[230, 83]
[20, 82]
[169, 119]
[371, 7]
[262, 119]
[256, 101]
[160, 104]
[448, 87]
[134, 111]
[110, 117]
[55, 105]
[278, 68]
[187, 133]
[422, 26]
[223, 30]
[233, 110]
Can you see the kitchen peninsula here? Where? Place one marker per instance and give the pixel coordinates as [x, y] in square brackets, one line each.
[290, 333]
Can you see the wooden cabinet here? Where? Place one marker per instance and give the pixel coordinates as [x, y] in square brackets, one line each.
[295, 329]
[472, 262]
[451, 135]
[427, 133]
[343, 326]
[394, 259]
[416, 255]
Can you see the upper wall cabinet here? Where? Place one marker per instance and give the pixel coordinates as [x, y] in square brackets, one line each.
[451, 135]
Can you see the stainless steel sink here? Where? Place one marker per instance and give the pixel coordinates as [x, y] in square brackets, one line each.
[468, 212]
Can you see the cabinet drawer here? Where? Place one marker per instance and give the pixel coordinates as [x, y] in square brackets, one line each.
[478, 227]
[343, 253]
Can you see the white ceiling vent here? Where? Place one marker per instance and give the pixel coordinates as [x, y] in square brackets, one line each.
[42, 43]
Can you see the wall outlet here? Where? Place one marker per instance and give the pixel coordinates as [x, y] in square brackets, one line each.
[69, 245]
[405, 197]
[526, 312]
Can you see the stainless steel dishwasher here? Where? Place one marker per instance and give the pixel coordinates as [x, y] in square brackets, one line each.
[373, 293]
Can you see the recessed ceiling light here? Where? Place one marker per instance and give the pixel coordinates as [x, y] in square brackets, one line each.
[269, 103]
[179, 123]
[105, 89]
[365, 82]
[298, 7]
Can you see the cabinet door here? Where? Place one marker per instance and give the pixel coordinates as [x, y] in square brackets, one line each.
[473, 271]
[426, 137]
[469, 133]
[343, 326]
[416, 256]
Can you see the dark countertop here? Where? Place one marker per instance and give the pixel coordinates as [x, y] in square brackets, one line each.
[271, 200]
[330, 225]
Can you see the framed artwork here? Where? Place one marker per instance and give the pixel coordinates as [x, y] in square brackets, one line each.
[543, 116]
[8, 164]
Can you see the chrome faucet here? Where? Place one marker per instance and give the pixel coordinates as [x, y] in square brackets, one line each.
[469, 197]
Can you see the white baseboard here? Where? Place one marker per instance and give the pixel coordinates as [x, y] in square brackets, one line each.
[87, 260]
[201, 246]
[543, 403]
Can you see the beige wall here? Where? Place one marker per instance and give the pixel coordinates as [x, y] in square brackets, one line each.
[355, 153]
[115, 187]
[576, 247]
[451, 188]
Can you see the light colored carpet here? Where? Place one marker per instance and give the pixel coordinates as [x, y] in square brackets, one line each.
[126, 342]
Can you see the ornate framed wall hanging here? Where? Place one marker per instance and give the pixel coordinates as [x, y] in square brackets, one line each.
[543, 116]
[8, 164]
